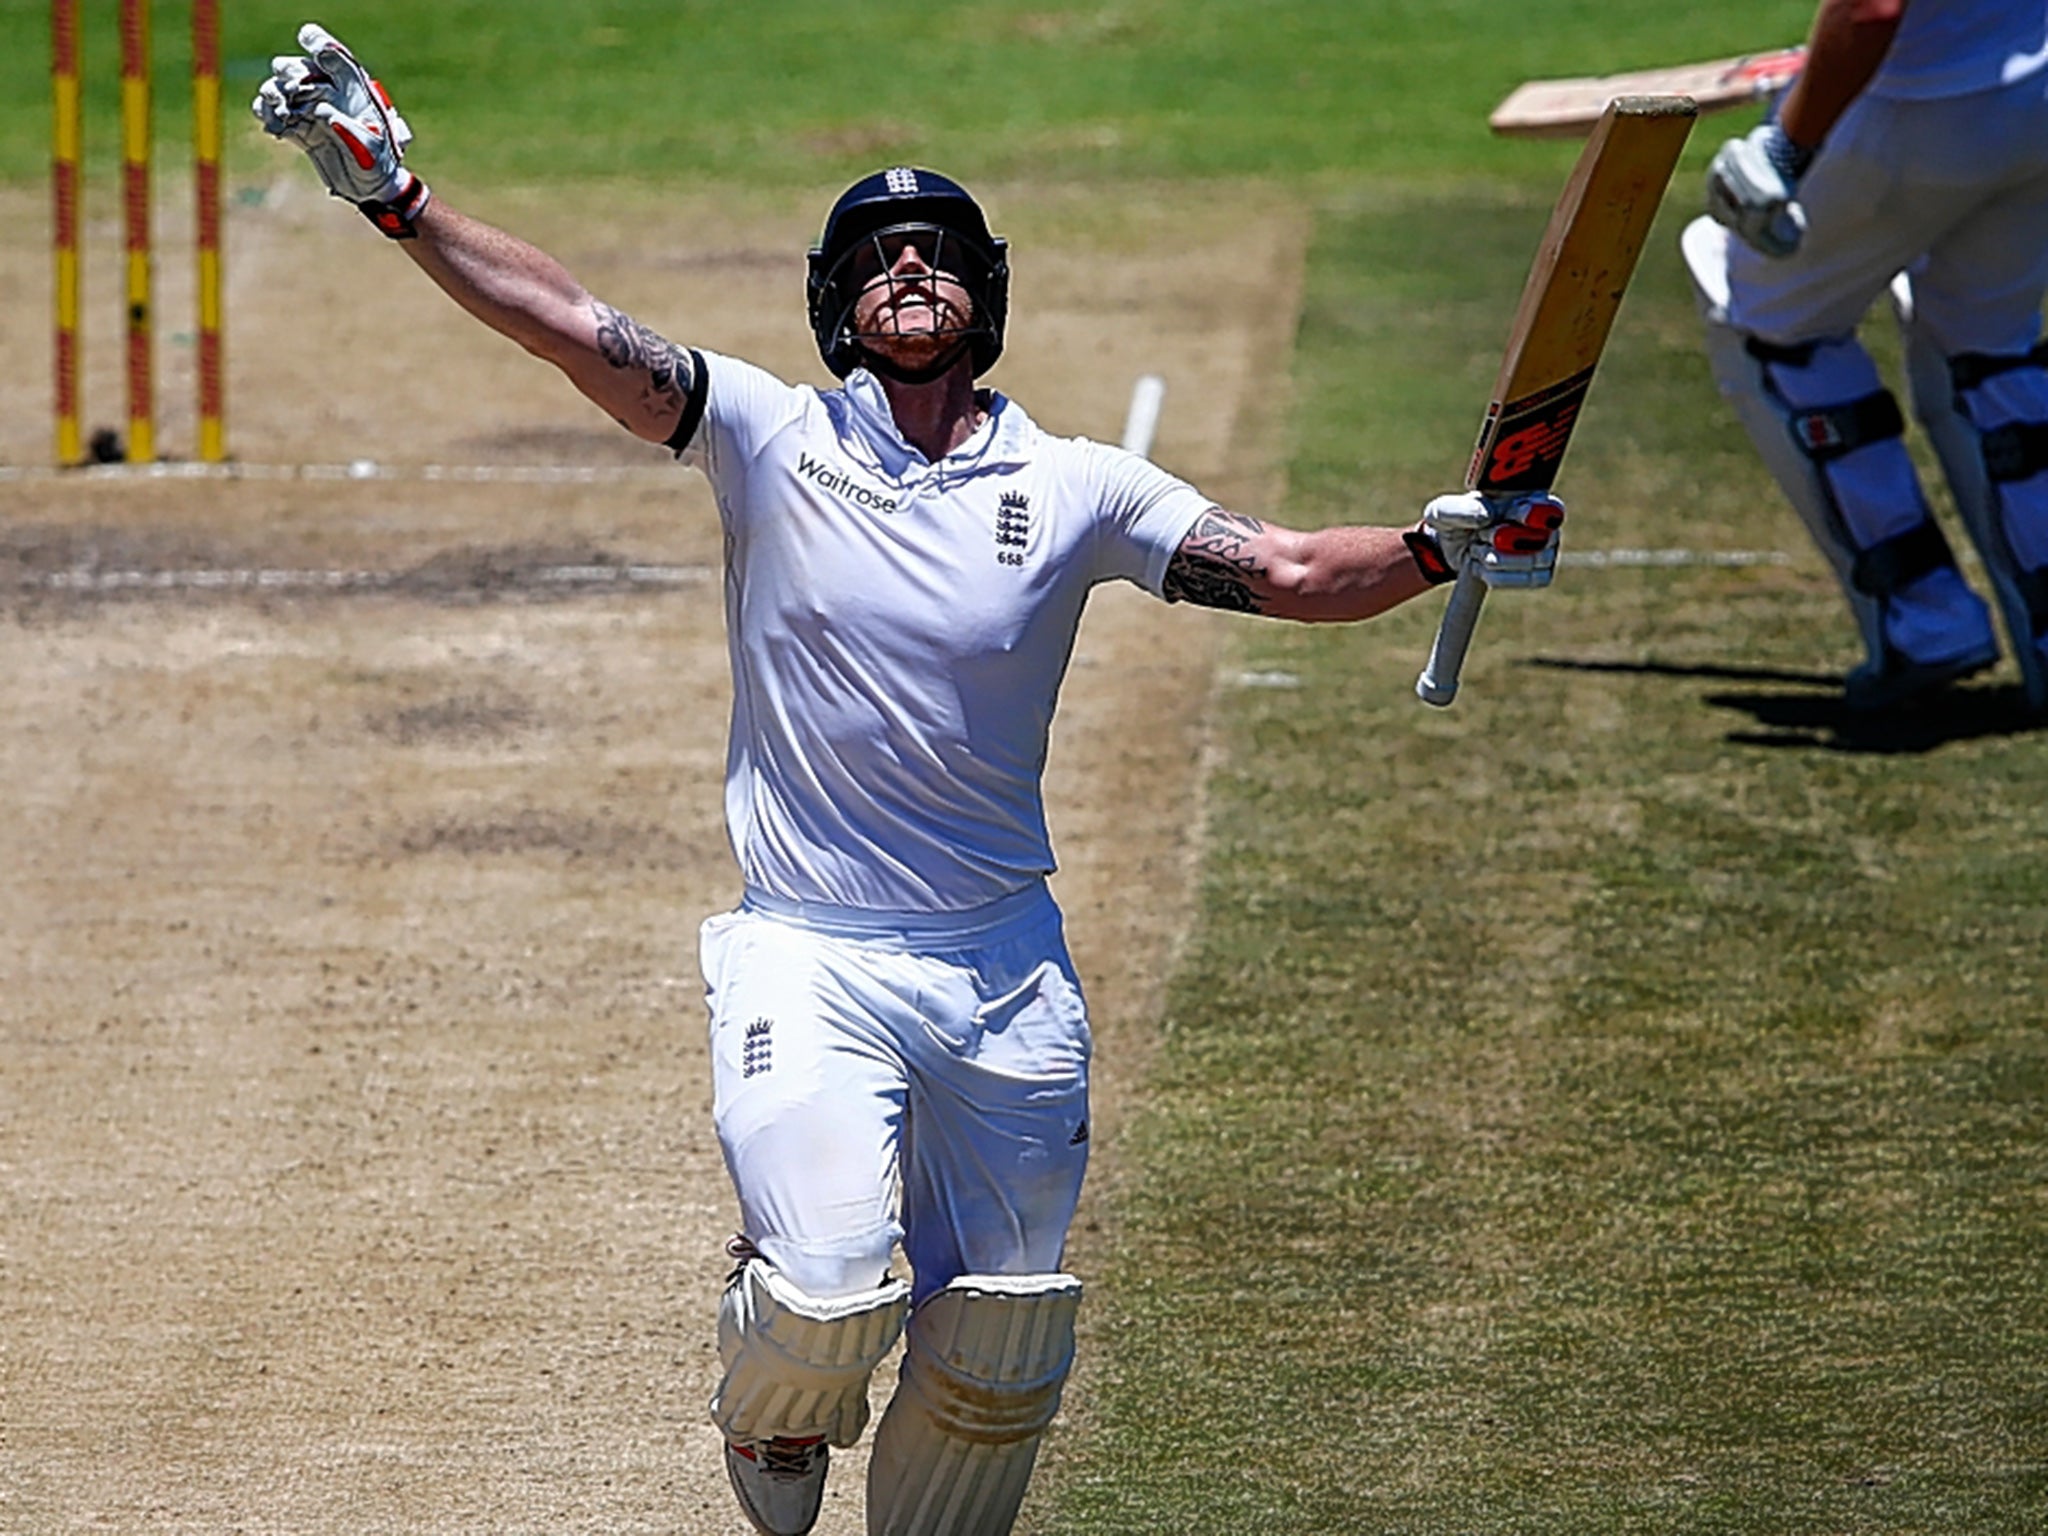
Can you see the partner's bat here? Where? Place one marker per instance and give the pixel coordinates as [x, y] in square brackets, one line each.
[1568, 306]
[1566, 109]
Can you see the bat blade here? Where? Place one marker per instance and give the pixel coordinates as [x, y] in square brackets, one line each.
[1568, 108]
[1582, 269]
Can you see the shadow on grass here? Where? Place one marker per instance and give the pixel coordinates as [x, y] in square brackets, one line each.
[1820, 720]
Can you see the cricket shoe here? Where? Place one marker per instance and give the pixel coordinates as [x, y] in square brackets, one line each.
[2033, 661]
[1898, 684]
[780, 1482]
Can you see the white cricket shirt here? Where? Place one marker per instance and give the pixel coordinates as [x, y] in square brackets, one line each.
[1959, 47]
[899, 629]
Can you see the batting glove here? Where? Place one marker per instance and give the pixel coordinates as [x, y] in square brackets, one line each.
[326, 103]
[1507, 541]
[1751, 185]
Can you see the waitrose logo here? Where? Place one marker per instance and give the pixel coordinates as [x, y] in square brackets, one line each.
[840, 484]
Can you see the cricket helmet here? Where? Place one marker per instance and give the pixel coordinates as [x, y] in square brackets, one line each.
[904, 200]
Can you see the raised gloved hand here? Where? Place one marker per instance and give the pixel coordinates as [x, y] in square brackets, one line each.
[326, 103]
[1751, 187]
[1507, 541]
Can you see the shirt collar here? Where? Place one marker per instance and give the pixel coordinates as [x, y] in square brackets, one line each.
[1000, 437]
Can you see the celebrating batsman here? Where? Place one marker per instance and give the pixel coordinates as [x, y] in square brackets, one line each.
[898, 1040]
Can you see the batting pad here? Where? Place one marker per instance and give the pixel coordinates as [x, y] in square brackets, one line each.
[796, 1366]
[1967, 406]
[1830, 433]
[982, 1375]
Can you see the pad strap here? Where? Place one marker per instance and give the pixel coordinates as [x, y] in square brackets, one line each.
[1826, 433]
[1797, 354]
[2033, 587]
[1969, 369]
[2016, 451]
[1901, 560]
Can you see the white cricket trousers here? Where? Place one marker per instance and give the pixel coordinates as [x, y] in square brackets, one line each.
[899, 1078]
[1954, 191]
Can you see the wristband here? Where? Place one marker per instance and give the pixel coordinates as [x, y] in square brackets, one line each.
[1429, 556]
[1789, 160]
[397, 217]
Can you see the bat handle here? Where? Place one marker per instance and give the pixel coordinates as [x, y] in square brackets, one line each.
[1438, 684]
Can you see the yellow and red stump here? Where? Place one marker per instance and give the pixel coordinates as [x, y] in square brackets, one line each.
[67, 180]
[67, 138]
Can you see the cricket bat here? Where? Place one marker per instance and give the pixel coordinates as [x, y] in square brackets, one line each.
[1582, 268]
[1565, 109]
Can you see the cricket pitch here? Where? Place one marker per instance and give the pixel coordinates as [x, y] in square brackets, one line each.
[355, 1116]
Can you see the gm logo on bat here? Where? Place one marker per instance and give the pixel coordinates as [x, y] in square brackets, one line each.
[1527, 437]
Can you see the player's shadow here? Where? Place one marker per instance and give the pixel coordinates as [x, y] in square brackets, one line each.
[1815, 717]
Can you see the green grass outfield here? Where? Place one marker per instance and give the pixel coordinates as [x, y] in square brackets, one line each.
[805, 93]
[1616, 1104]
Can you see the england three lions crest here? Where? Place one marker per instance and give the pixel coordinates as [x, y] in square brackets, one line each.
[1013, 527]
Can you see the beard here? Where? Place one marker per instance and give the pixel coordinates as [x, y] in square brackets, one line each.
[913, 329]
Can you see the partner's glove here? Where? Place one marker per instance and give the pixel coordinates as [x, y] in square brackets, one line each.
[326, 103]
[1751, 187]
[1507, 541]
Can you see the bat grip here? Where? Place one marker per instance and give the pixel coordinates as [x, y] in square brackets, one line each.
[1438, 684]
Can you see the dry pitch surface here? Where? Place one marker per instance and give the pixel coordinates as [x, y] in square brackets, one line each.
[354, 1118]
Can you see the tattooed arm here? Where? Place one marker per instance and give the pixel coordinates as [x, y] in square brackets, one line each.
[638, 378]
[1236, 562]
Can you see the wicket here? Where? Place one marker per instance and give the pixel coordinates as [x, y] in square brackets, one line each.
[67, 138]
